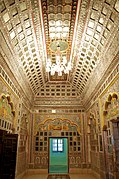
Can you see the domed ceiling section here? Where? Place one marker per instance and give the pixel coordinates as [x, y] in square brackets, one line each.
[96, 40]
[21, 31]
[87, 32]
[57, 95]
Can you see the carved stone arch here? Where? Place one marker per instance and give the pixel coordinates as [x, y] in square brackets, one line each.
[110, 117]
[7, 112]
[114, 97]
[10, 103]
[23, 122]
[91, 119]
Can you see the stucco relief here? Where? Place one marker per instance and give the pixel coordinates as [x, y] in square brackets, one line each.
[57, 124]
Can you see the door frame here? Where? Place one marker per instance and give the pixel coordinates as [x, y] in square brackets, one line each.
[105, 151]
[116, 169]
[49, 150]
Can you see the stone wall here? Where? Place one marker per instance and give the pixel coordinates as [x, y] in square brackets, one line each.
[14, 117]
[101, 116]
[52, 125]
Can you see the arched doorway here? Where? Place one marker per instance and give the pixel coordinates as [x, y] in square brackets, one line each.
[58, 155]
[111, 136]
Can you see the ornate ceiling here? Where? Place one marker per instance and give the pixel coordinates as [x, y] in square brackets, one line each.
[59, 22]
[30, 28]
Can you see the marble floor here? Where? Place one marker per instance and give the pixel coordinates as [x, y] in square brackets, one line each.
[72, 176]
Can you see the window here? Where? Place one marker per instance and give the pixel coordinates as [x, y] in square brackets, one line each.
[57, 145]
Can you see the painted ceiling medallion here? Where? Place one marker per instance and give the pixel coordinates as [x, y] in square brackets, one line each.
[62, 44]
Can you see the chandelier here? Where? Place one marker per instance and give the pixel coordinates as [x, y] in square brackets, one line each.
[60, 66]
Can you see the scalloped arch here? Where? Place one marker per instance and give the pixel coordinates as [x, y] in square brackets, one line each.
[108, 101]
[9, 102]
[71, 123]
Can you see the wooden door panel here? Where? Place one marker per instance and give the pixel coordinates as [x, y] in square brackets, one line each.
[8, 155]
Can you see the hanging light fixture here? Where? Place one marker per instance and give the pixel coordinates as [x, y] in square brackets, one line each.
[60, 66]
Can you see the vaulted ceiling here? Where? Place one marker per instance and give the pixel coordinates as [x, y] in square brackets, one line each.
[31, 29]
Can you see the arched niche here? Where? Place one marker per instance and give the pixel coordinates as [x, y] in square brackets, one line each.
[111, 107]
[6, 105]
[91, 122]
[7, 112]
[110, 132]
[93, 131]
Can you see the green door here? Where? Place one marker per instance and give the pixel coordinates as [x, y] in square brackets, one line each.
[58, 155]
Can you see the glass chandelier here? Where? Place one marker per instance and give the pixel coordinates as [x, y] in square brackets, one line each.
[61, 66]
